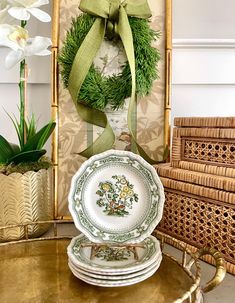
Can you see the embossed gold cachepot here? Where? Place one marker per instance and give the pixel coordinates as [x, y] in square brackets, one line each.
[25, 198]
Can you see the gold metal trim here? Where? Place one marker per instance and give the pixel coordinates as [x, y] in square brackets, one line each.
[55, 88]
[26, 198]
[54, 101]
[168, 59]
[193, 258]
[219, 263]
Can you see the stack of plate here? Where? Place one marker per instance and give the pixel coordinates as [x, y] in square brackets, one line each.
[116, 200]
[112, 266]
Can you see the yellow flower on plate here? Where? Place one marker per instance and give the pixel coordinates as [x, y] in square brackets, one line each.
[130, 193]
[123, 195]
[126, 189]
[123, 181]
[106, 187]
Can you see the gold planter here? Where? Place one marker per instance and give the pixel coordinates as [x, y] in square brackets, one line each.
[25, 198]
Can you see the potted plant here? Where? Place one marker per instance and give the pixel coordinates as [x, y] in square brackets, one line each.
[25, 175]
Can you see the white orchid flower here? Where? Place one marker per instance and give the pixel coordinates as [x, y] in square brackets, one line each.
[22, 9]
[17, 38]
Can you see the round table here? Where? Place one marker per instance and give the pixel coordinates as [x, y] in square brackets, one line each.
[37, 271]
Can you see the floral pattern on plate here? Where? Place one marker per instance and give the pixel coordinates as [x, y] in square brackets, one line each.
[113, 254]
[116, 198]
[79, 252]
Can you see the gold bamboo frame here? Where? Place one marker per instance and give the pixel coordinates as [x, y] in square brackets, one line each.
[55, 87]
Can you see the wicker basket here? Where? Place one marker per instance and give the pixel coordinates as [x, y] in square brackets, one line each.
[198, 215]
[205, 145]
[200, 185]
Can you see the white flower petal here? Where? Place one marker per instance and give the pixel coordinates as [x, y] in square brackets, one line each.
[39, 14]
[13, 58]
[19, 13]
[5, 31]
[46, 52]
[7, 43]
[37, 45]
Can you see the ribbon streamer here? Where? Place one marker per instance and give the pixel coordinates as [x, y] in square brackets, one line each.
[114, 14]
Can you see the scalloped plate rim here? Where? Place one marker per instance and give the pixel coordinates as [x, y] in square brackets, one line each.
[121, 270]
[152, 225]
[120, 283]
[114, 277]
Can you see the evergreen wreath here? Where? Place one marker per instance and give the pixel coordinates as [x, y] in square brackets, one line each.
[98, 90]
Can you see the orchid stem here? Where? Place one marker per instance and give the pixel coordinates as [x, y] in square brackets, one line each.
[22, 87]
[23, 23]
[22, 104]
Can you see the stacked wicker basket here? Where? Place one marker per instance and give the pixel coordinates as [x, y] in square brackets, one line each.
[200, 185]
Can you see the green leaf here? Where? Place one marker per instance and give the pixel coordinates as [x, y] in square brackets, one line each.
[31, 128]
[99, 192]
[17, 128]
[6, 150]
[15, 148]
[29, 156]
[46, 134]
[39, 139]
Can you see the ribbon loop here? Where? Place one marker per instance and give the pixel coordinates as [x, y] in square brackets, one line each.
[114, 10]
[111, 15]
[108, 8]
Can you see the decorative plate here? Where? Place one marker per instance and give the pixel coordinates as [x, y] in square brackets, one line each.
[116, 197]
[114, 277]
[109, 283]
[108, 262]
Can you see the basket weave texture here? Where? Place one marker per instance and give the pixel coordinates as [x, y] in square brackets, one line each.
[198, 144]
[200, 185]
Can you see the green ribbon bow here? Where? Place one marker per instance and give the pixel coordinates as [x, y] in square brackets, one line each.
[112, 15]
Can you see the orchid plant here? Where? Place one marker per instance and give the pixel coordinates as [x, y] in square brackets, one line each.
[16, 37]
